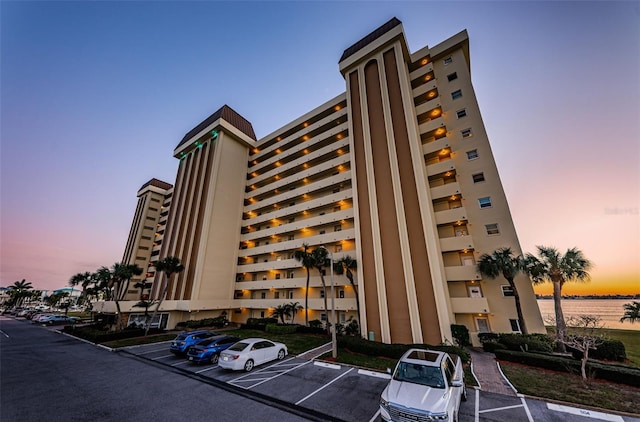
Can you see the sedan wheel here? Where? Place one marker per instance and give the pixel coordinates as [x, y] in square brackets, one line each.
[281, 354]
[248, 366]
[214, 358]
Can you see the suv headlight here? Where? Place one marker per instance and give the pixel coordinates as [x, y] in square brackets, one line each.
[440, 417]
[384, 403]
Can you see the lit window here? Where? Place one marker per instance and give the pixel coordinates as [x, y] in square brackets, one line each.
[461, 113]
[456, 94]
[492, 229]
[448, 60]
[478, 177]
[485, 202]
[507, 290]
[452, 76]
[466, 133]
[472, 155]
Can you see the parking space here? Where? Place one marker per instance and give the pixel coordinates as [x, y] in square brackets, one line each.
[320, 386]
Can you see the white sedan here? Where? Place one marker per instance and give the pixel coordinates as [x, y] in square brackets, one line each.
[248, 353]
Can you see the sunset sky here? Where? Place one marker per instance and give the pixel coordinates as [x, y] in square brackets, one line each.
[94, 97]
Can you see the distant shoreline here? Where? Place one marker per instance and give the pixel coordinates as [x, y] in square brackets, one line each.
[592, 297]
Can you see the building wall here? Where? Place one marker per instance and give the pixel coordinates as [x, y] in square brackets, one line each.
[397, 173]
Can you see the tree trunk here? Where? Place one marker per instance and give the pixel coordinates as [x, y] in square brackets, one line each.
[583, 364]
[516, 296]
[155, 311]
[355, 289]
[306, 301]
[561, 325]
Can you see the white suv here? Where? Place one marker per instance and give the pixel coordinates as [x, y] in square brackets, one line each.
[426, 385]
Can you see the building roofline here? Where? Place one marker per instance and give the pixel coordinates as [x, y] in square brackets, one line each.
[371, 37]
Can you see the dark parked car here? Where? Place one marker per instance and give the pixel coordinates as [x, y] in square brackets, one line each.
[208, 350]
[180, 345]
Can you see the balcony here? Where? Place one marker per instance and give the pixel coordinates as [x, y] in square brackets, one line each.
[451, 216]
[283, 283]
[437, 145]
[462, 273]
[446, 190]
[456, 243]
[441, 167]
[470, 305]
[431, 125]
[347, 304]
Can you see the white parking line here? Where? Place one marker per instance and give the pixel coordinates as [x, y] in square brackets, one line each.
[207, 369]
[4, 334]
[275, 376]
[375, 417]
[162, 357]
[180, 363]
[585, 412]
[477, 406]
[324, 386]
[497, 409]
[164, 349]
[526, 408]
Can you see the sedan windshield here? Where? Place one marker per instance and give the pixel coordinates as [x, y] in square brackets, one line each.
[238, 347]
[431, 376]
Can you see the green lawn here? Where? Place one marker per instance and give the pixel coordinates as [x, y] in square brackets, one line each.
[569, 388]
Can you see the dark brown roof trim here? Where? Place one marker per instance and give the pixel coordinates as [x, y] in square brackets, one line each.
[228, 114]
[157, 183]
[392, 23]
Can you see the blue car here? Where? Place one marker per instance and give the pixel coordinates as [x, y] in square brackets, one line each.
[209, 350]
[180, 345]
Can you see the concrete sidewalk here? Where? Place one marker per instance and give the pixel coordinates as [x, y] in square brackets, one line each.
[486, 370]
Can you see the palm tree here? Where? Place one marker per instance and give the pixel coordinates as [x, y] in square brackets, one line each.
[293, 307]
[281, 311]
[631, 312]
[558, 269]
[503, 261]
[20, 290]
[345, 265]
[320, 259]
[121, 275]
[169, 266]
[102, 279]
[83, 279]
[307, 262]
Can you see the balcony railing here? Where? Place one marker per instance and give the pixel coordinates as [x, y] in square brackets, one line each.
[470, 305]
[462, 273]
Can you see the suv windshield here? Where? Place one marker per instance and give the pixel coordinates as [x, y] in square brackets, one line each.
[431, 376]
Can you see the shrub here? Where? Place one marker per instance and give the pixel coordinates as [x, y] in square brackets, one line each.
[393, 351]
[95, 334]
[207, 322]
[310, 330]
[259, 323]
[526, 343]
[316, 323]
[616, 373]
[281, 329]
[460, 334]
[609, 350]
[492, 347]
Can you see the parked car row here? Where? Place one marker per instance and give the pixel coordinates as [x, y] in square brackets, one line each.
[229, 352]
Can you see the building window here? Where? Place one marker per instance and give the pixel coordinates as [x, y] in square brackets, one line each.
[290, 294]
[291, 274]
[322, 232]
[278, 275]
[461, 113]
[323, 317]
[515, 325]
[448, 60]
[276, 295]
[261, 314]
[341, 294]
[485, 202]
[456, 94]
[321, 293]
[478, 177]
[466, 133]
[338, 248]
[263, 295]
[264, 277]
[291, 237]
[337, 228]
[492, 229]
[452, 76]
[507, 291]
[472, 155]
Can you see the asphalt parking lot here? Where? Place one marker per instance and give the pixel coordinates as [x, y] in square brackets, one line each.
[353, 394]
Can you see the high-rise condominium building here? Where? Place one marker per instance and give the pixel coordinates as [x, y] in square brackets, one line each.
[395, 173]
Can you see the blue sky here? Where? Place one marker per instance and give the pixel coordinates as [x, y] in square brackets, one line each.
[95, 96]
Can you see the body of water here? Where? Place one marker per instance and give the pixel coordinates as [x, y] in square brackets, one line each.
[609, 310]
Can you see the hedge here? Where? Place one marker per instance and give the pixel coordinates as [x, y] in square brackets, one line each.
[608, 350]
[622, 374]
[281, 329]
[516, 342]
[96, 335]
[218, 322]
[393, 351]
[258, 323]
